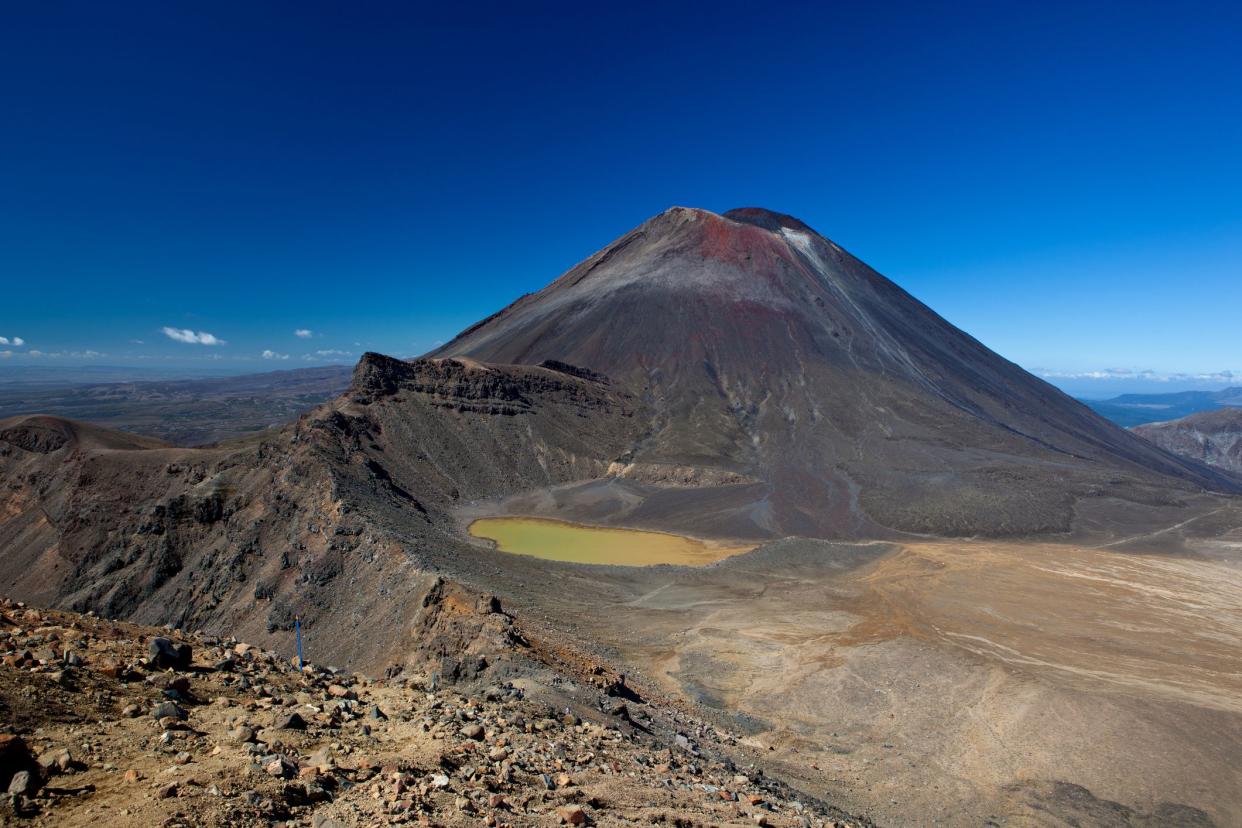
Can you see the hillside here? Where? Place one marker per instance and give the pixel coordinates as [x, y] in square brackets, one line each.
[766, 350]
[1211, 437]
[238, 736]
[316, 518]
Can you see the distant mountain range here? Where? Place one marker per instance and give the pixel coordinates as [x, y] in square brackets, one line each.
[185, 412]
[1129, 410]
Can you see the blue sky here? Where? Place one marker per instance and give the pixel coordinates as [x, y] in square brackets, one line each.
[1061, 180]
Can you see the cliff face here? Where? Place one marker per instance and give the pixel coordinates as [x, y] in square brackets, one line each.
[1211, 437]
[335, 518]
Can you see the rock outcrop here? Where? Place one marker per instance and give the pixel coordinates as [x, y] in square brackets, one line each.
[338, 518]
[241, 736]
[1211, 437]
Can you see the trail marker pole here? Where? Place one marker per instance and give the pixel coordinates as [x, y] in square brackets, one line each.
[297, 626]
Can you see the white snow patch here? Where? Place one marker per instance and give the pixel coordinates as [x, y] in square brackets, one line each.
[798, 239]
[806, 246]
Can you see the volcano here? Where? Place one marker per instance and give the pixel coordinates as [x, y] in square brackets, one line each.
[831, 401]
[734, 377]
[741, 379]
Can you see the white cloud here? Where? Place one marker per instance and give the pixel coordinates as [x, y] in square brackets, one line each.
[274, 355]
[87, 354]
[329, 354]
[17, 340]
[5, 354]
[191, 337]
[303, 333]
[1141, 374]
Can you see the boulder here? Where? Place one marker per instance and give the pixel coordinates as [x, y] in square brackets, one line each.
[467, 669]
[242, 734]
[164, 654]
[278, 766]
[23, 783]
[57, 760]
[572, 815]
[171, 681]
[15, 758]
[168, 709]
[322, 760]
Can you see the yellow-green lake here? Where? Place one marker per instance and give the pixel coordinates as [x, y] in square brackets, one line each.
[557, 540]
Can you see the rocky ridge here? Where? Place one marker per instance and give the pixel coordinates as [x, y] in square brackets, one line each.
[134, 725]
[344, 517]
[1211, 437]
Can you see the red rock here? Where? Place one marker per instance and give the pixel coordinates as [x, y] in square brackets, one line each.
[111, 669]
[572, 814]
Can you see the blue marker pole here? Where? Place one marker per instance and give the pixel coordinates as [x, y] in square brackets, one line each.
[297, 625]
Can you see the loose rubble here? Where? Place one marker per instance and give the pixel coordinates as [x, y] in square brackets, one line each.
[237, 736]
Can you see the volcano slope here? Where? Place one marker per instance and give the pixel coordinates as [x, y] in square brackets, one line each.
[766, 351]
[343, 517]
[739, 378]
